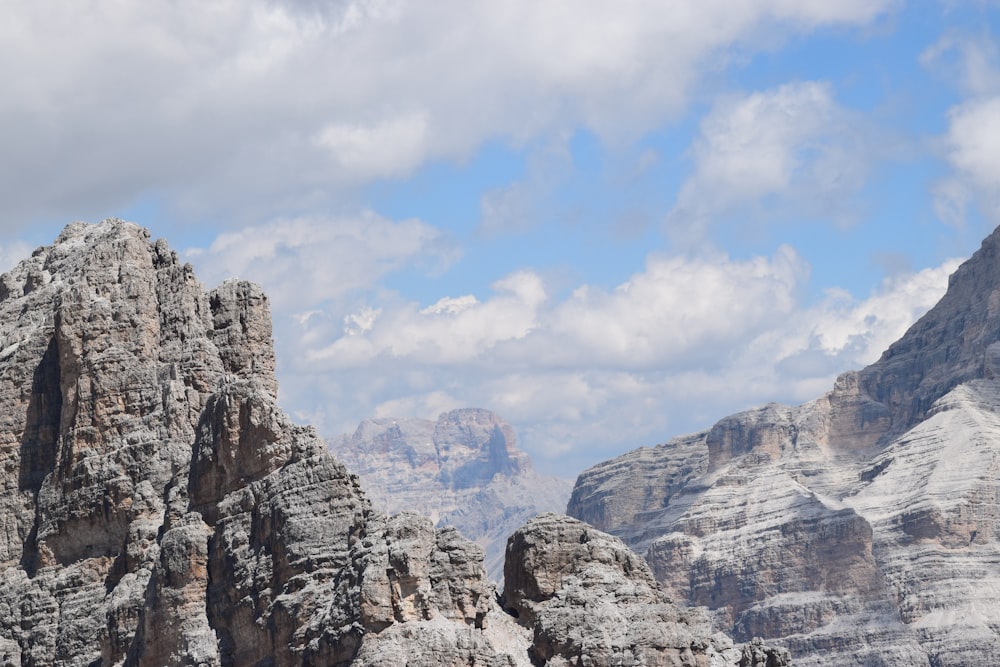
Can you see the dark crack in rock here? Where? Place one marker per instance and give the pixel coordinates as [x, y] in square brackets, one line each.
[158, 508]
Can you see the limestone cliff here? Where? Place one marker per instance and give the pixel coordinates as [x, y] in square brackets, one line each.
[462, 470]
[859, 528]
[158, 508]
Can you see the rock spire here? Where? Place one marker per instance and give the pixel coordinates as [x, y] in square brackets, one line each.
[158, 508]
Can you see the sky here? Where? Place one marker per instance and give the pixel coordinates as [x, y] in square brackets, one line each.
[610, 223]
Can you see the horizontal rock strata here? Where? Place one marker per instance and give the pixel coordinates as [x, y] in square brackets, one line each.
[592, 601]
[859, 528]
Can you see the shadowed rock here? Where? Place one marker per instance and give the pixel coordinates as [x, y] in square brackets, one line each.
[158, 508]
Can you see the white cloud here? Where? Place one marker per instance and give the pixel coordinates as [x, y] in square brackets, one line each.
[969, 60]
[358, 322]
[676, 310]
[260, 107]
[865, 329]
[842, 332]
[972, 147]
[305, 261]
[676, 347]
[971, 143]
[454, 330]
[451, 305]
[389, 148]
[758, 153]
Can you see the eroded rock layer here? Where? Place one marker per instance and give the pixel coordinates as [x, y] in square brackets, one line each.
[859, 528]
[158, 508]
[590, 600]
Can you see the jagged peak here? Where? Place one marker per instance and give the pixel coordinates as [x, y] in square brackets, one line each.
[948, 345]
[158, 507]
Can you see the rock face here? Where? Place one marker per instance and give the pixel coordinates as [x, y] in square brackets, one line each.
[157, 508]
[463, 470]
[859, 528]
[592, 601]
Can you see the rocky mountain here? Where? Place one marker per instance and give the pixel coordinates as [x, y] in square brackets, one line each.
[859, 528]
[463, 470]
[158, 508]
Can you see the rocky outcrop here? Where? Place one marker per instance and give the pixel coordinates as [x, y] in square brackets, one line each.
[592, 601]
[859, 528]
[462, 470]
[158, 508]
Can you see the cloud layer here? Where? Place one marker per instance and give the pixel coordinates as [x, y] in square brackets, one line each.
[266, 107]
[277, 119]
[765, 153]
[584, 376]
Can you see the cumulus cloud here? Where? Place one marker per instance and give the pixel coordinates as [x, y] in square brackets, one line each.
[974, 141]
[972, 147]
[760, 152]
[451, 331]
[971, 144]
[679, 345]
[675, 310]
[842, 332]
[303, 262]
[260, 107]
[672, 312]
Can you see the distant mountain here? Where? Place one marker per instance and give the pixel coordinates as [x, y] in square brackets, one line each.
[463, 470]
[860, 528]
[158, 508]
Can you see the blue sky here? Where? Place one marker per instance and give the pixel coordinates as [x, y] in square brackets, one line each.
[611, 223]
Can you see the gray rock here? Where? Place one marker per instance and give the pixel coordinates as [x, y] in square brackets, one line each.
[859, 528]
[158, 508]
[592, 601]
[463, 470]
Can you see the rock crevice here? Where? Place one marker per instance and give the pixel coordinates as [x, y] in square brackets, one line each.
[158, 508]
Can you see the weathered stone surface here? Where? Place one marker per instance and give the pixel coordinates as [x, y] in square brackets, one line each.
[158, 508]
[592, 601]
[859, 528]
[425, 595]
[463, 470]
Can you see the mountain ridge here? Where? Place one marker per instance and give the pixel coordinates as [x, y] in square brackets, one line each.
[840, 527]
[157, 507]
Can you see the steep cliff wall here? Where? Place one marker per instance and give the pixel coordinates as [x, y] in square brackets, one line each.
[859, 528]
[158, 508]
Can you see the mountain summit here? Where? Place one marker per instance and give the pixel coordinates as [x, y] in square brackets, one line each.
[462, 470]
[157, 508]
[859, 528]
